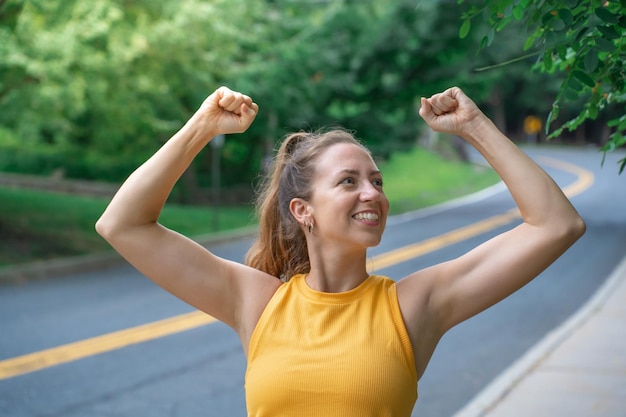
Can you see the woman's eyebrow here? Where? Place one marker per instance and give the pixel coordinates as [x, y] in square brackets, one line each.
[356, 172]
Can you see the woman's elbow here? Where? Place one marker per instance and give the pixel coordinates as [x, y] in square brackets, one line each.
[580, 227]
[573, 229]
[105, 227]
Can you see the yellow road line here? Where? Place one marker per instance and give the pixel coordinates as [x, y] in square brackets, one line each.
[100, 344]
[116, 340]
[429, 245]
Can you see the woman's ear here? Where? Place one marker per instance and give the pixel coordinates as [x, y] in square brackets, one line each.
[300, 210]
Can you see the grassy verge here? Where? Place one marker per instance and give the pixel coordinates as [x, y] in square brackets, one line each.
[37, 225]
[420, 178]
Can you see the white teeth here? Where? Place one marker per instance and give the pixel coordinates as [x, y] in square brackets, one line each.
[366, 216]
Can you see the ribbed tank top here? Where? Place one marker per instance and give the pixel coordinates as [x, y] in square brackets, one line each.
[316, 354]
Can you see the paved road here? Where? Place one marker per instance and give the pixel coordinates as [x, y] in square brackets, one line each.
[199, 372]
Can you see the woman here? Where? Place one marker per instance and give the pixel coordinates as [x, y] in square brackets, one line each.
[327, 338]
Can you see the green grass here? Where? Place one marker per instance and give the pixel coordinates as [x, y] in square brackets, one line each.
[420, 178]
[36, 225]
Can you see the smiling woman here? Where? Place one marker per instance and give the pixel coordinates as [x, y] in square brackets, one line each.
[332, 167]
[322, 335]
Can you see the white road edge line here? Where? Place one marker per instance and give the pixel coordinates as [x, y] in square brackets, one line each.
[500, 387]
[448, 205]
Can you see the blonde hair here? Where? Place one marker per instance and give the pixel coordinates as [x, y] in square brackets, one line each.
[281, 248]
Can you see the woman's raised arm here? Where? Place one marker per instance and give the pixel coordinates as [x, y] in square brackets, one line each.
[465, 286]
[176, 263]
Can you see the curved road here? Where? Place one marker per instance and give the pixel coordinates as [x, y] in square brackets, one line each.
[111, 343]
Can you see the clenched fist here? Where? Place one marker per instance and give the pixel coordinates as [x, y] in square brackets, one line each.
[451, 112]
[227, 111]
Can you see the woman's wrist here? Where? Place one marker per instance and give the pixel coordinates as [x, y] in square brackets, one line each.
[480, 129]
[197, 132]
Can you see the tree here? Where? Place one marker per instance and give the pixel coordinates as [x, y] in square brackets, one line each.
[94, 87]
[101, 83]
[584, 40]
[362, 65]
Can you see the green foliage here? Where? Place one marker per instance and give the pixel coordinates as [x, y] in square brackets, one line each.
[362, 65]
[585, 40]
[108, 77]
[93, 88]
[109, 80]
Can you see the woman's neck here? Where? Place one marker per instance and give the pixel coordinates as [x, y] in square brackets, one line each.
[336, 271]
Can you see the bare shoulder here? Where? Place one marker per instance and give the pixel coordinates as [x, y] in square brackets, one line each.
[414, 293]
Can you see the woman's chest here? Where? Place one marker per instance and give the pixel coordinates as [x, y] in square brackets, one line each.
[332, 361]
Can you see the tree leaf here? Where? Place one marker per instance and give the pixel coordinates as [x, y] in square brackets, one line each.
[553, 115]
[613, 123]
[571, 95]
[609, 32]
[483, 42]
[606, 15]
[546, 18]
[584, 78]
[591, 60]
[508, 10]
[530, 41]
[608, 147]
[547, 61]
[556, 24]
[490, 36]
[580, 34]
[617, 78]
[503, 22]
[465, 28]
[566, 16]
[575, 84]
[605, 45]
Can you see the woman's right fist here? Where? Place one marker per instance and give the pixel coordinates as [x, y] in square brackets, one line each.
[227, 111]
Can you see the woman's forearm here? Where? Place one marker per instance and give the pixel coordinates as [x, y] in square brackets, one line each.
[141, 197]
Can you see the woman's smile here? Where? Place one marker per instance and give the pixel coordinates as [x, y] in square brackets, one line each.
[367, 217]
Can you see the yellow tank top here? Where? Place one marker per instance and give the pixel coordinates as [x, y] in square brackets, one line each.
[316, 354]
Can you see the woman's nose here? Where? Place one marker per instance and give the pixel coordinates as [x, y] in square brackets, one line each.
[370, 193]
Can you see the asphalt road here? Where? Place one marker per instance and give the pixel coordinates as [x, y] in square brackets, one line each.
[200, 371]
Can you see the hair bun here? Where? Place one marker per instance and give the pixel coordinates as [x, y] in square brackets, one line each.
[291, 142]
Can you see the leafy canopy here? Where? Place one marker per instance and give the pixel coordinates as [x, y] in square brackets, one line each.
[583, 39]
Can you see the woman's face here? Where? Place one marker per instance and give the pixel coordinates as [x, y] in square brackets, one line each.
[348, 203]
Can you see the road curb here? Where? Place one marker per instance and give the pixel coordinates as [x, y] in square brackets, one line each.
[41, 270]
[487, 399]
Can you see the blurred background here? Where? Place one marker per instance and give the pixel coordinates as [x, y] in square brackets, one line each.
[90, 89]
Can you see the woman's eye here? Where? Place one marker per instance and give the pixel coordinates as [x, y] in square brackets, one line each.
[348, 180]
[378, 182]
